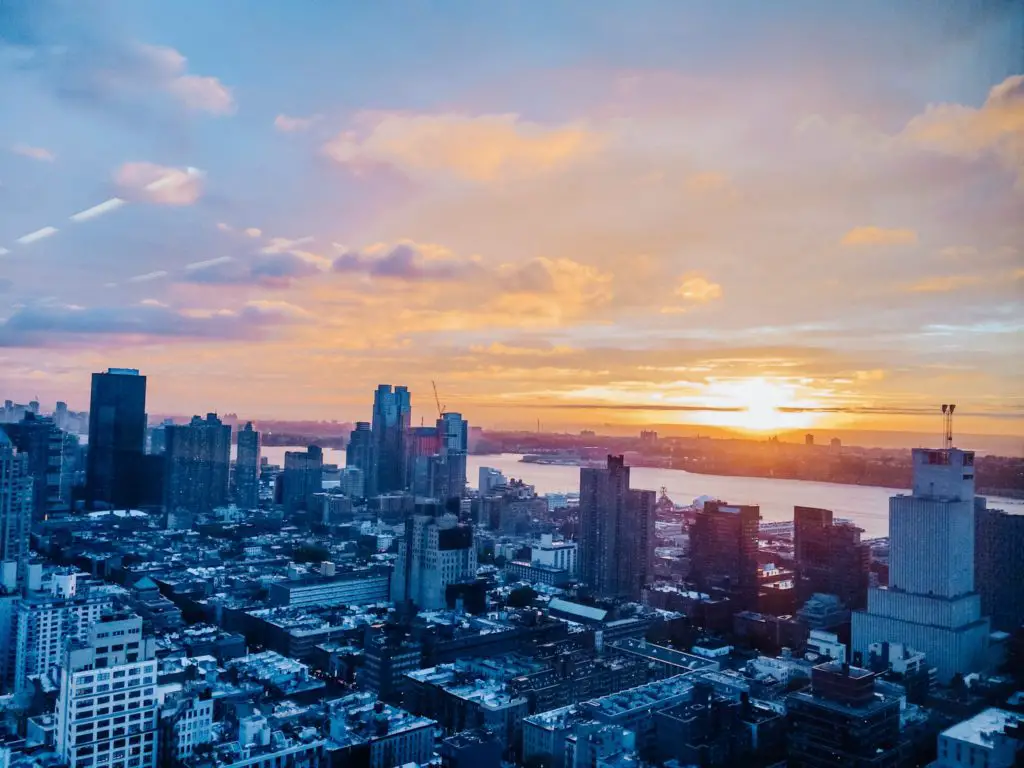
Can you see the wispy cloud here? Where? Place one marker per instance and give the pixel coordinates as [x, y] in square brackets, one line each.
[36, 153]
[879, 236]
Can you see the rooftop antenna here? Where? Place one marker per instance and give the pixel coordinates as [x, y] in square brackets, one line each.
[947, 424]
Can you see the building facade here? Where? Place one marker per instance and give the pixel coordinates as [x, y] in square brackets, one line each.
[830, 557]
[616, 531]
[392, 411]
[999, 550]
[197, 466]
[723, 552]
[247, 468]
[302, 477]
[437, 552]
[117, 437]
[930, 603]
[359, 453]
[15, 507]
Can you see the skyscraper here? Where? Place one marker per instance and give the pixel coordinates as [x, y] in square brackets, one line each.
[359, 453]
[450, 469]
[999, 551]
[198, 457]
[423, 445]
[15, 505]
[247, 468]
[117, 437]
[392, 411]
[930, 603]
[616, 531]
[302, 477]
[107, 706]
[723, 551]
[830, 557]
[437, 552]
[51, 457]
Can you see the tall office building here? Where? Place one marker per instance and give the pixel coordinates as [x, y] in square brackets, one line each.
[616, 531]
[930, 603]
[423, 445]
[107, 706]
[117, 437]
[450, 467]
[723, 551]
[247, 468]
[15, 506]
[437, 552]
[359, 453]
[830, 557]
[302, 477]
[843, 721]
[999, 551]
[52, 459]
[198, 459]
[392, 411]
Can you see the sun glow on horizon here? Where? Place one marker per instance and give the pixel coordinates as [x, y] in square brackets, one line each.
[759, 404]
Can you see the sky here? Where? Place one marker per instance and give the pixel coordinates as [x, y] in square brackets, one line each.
[755, 215]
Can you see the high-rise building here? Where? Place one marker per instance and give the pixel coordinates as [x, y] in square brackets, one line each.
[359, 453]
[107, 706]
[843, 720]
[423, 445]
[117, 437]
[437, 551]
[723, 552]
[392, 411]
[616, 531]
[15, 506]
[450, 467]
[302, 477]
[52, 456]
[490, 479]
[247, 468]
[999, 551]
[830, 557]
[198, 459]
[930, 603]
[49, 619]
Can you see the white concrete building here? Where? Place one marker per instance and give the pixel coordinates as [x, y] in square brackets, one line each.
[437, 551]
[993, 739]
[930, 603]
[490, 479]
[555, 554]
[107, 706]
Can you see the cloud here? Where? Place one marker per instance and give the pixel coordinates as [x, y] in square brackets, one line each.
[271, 270]
[483, 148]
[879, 236]
[944, 283]
[36, 153]
[203, 94]
[698, 289]
[997, 126]
[289, 124]
[159, 184]
[406, 261]
[253, 232]
[50, 324]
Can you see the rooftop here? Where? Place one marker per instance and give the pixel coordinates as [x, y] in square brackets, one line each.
[980, 729]
[642, 697]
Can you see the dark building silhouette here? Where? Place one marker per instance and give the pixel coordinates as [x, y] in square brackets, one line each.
[117, 437]
[843, 720]
[999, 552]
[302, 477]
[247, 468]
[392, 411]
[830, 557]
[359, 453]
[616, 531]
[197, 459]
[52, 456]
[15, 507]
[723, 552]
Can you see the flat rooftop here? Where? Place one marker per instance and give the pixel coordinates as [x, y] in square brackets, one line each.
[979, 729]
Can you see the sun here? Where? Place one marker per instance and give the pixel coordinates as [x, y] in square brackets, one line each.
[757, 405]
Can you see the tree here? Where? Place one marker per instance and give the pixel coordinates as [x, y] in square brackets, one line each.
[521, 597]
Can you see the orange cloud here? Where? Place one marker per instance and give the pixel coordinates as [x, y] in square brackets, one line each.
[160, 184]
[944, 283]
[699, 289]
[482, 148]
[879, 236]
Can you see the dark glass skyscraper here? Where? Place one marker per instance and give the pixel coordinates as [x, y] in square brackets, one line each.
[359, 452]
[999, 551]
[117, 437]
[302, 477]
[198, 457]
[616, 531]
[450, 467]
[830, 557]
[392, 411]
[247, 468]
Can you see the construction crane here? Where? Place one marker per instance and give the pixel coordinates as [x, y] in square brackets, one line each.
[440, 408]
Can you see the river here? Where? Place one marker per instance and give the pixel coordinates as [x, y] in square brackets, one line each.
[866, 505]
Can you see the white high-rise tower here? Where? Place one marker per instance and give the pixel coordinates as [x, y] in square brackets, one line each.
[930, 603]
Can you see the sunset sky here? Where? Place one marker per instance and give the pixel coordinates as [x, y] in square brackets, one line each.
[759, 215]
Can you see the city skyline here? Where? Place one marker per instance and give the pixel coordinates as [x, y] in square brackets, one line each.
[582, 214]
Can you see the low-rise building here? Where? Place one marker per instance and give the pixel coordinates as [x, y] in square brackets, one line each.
[379, 735]
[993, 739]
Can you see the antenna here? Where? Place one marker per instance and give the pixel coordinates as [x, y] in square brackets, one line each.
[440, 408]
[947, 424]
